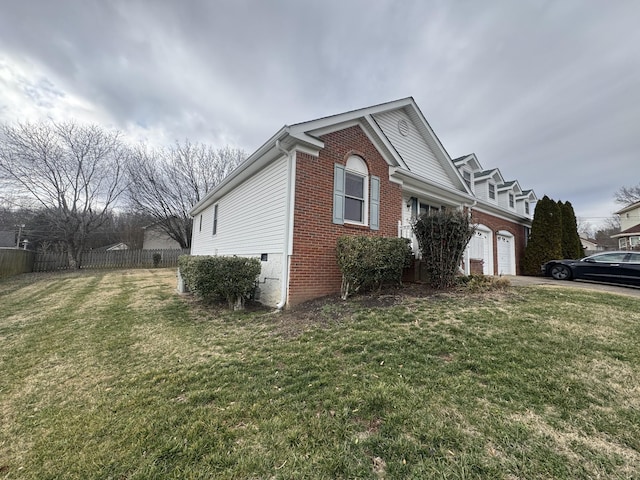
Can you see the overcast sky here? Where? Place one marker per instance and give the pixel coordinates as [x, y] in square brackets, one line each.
[547, 91]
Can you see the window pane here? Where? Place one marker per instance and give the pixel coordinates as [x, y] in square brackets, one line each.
[353, 209]
[354, 185]
[609, 257]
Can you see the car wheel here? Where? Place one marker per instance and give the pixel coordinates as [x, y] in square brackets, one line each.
[561, 272]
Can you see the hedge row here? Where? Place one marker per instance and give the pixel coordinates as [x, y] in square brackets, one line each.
[220, 278]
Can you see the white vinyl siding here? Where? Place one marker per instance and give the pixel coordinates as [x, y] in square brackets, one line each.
[413, 148]
[251, 218]
[482, 190]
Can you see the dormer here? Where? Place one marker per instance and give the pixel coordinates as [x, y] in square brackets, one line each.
[468, 166]
[486, 185]
[525, 202]
[507, 193]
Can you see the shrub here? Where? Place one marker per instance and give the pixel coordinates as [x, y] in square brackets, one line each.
[482, 283]
[367, 262]
[442, 237]
[157, 258]
[220, 278]
[545, 241]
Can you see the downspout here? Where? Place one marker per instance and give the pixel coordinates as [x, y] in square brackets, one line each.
[287, 227]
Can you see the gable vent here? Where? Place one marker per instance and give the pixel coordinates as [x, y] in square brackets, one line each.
[403, 127]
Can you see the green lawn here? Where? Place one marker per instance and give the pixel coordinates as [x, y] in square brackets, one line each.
[112, 375]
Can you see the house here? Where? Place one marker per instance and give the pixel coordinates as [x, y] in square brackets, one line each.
[156, 238]
[629, 236]
[589, 245]
[112, 247]
[7, 238]
[363, 172]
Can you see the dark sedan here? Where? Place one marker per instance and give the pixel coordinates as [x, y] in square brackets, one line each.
[610, 267]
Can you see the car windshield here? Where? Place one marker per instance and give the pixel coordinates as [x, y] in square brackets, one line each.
[608, 257]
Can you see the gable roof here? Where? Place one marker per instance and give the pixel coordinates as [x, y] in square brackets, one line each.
[633, 206]
[305, 137]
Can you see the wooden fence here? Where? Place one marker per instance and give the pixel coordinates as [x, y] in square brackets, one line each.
[14, 261]
[48, 262]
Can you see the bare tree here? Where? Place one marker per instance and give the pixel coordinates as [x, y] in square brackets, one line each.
[628, 195]
[72, 172]
[166, 183]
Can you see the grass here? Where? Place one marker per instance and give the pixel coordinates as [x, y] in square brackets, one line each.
[112, 375]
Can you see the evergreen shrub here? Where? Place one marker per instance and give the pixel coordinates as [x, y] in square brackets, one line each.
[545, 241]
[367, 262]
[232, 279]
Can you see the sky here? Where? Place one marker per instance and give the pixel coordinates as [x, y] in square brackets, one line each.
[546, 91]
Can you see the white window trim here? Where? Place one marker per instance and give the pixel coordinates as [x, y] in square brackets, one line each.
[495, 193]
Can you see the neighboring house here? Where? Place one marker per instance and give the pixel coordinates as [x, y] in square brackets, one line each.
[589, 245]
[112, 247]
[365, 172]
[629, 236]
[155, 238]
[7, 238]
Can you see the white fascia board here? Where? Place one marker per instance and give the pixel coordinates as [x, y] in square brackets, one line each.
[339, 118]
[628, 208]
[267, 153]
[499, 212]
[418, 184]
[512, 186]
[386, 150]
[470, 161]
[397, 159]
[531, 196]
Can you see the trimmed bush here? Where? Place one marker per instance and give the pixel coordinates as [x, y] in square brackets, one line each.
[368, 262]
[220, 278]
[442, 237]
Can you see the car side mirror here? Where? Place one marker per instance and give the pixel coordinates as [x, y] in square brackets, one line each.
[589, 260]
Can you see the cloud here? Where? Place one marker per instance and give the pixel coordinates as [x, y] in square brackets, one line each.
[545, 91]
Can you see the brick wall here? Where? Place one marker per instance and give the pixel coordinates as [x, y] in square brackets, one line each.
[496, 224]
[314, 270]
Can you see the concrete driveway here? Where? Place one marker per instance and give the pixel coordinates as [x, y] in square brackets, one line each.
[519, 281]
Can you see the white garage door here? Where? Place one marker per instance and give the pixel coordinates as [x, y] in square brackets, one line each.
[480, 248]
[506, 254]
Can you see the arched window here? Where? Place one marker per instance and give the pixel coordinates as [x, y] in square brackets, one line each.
[356, 194]
[355, 190]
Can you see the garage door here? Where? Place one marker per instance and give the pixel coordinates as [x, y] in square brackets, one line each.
[506, 254]
[480, 248]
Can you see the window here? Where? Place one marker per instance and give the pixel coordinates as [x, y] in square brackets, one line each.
[215, 219]
[200, 226]
[354, 201]
[492, 191]
[356, 194]
[526, 208]
[609, 257]
[511, 202]
[426, 208]
[633, 258]
[466, 174]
